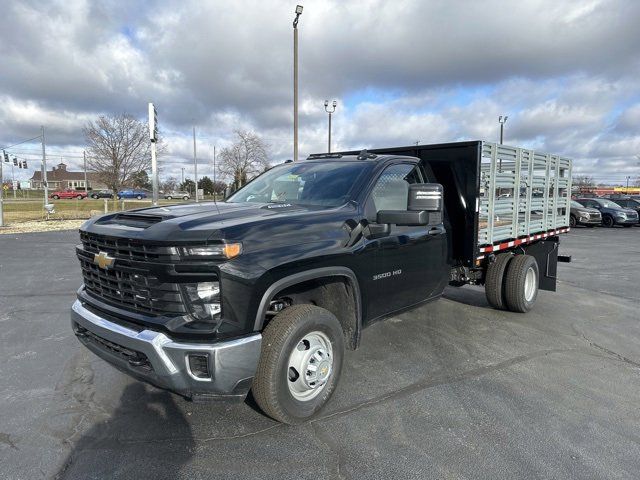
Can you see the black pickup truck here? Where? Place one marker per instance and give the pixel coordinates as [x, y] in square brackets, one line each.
[265, 290]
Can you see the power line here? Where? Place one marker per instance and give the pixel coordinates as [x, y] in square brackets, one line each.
[20, 143]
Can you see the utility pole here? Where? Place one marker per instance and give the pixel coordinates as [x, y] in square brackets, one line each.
[195, 162]
[627, 190]
[44, 170]
[13, 178]
[86, 185]
[182, 175]
[295, 82]
[330, 112]
[153, 137]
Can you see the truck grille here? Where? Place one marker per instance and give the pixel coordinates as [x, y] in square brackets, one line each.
[124, 285]
[124, 248]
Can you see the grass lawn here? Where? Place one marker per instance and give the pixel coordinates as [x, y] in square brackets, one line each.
[16, 211]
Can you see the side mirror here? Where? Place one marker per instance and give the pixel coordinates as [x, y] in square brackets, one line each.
[424, 207]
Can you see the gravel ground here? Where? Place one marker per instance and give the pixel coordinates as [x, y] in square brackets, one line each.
[41, 226]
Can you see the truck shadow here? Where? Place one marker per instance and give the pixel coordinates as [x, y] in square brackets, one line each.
[468, 296]
[146, 426]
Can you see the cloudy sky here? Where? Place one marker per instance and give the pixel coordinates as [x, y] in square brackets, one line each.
[567, 73]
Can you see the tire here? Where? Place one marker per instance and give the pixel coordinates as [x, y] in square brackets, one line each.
[56, 197]
[169, 197]
[79, 197]
[139, 197]
[119, 197]
[608, 221]
[494, 281]
[572, 221]
[521, 283]
[273, 383]
[185, 198]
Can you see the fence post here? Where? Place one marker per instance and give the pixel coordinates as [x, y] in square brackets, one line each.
[106, 208]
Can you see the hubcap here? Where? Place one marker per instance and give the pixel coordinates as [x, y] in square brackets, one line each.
[310, 366]
[530, 281]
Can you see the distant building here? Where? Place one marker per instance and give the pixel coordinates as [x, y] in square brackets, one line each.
[60, 178]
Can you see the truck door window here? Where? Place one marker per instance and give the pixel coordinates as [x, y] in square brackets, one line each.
[392, 189]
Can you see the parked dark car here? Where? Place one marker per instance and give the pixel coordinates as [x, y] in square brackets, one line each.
[629, 202]
[580, 215]
[131, 193]
[612, 213]
[102, 194]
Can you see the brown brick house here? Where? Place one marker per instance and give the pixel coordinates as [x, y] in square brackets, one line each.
[60, 178]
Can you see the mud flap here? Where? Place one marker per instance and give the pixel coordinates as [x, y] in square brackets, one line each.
[546, 254]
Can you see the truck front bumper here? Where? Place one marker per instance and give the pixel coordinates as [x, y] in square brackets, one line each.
[155, 358]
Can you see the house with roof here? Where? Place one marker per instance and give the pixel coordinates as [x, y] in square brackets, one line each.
[60, 178]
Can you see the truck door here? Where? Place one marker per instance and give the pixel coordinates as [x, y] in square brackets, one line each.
[411, 261]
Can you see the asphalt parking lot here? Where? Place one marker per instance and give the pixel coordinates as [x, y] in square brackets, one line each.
[453, 389]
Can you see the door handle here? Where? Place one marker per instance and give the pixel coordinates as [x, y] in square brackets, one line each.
[436, 231]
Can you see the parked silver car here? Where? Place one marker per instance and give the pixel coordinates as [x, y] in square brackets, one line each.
[172, 195]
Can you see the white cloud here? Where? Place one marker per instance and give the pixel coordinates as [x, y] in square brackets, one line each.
[565, 73]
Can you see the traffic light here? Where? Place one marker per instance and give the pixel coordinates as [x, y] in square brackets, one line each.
[24, 164]
[19, 164]
[6, 156]
[15, 162]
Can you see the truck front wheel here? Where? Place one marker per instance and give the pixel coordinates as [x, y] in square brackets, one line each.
[300, 363]
[494, 281]
[521, 283]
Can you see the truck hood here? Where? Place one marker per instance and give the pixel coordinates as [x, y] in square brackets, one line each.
[201, 222]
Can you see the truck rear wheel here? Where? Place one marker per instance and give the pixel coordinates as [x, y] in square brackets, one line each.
[521, 283]
[300, 363]
[494, 281]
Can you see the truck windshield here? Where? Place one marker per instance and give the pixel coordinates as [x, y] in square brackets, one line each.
[327, 184]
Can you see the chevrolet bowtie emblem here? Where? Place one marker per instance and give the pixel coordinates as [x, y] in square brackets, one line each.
[103, 260]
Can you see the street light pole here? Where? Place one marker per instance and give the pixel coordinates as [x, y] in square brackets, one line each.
[44, 170]
[502, 120]
[195, 162]
[627, 190]
[330, 112]
[183, 176]
[295, 82]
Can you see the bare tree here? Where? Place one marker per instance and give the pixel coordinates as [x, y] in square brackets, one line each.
[584, 181]
[170, 184]
[246, 158]
[118, 149]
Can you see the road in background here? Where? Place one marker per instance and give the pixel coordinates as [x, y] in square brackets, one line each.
[452, 389]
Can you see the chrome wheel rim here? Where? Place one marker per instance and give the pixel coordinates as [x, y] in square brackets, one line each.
[310, 366]
[530, 284]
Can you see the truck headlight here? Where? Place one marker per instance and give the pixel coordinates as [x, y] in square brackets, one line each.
[225, 250]
[204, 300]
